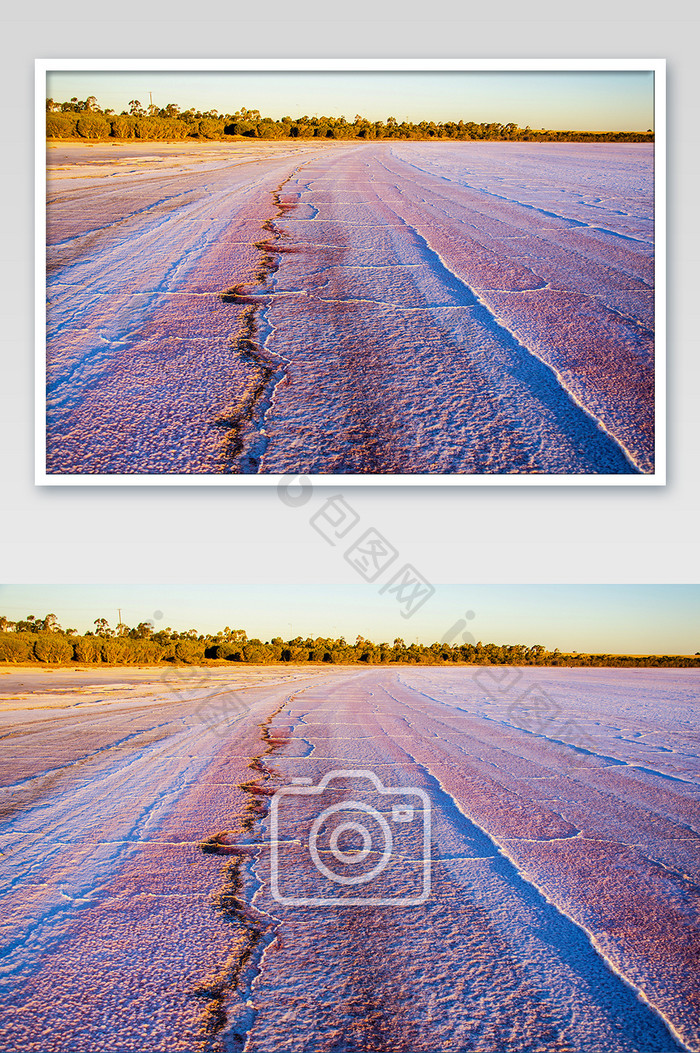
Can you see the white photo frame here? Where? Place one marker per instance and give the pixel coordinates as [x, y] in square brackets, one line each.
[655, 66]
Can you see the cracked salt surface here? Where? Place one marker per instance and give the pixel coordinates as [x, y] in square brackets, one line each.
[563, 910]
[488, 963]
[107, 923]
[435, 308]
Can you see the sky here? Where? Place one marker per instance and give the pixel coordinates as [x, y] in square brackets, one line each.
[615, 619]
[582, 100]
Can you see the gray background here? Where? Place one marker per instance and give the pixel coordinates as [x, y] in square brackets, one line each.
[494, 534]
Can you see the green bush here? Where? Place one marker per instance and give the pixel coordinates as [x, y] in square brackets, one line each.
[175, 129]
[145, 652]
[256, 653]
[144, 128]
[52, 647]
[93, 126]
[238, 128]
[156, 128]
[15, 647]
[190, 651]
[271, 130]
[123, 127]
[115, 652]
[228, 651]
[211, 128]
[87, 649]
[61, 125]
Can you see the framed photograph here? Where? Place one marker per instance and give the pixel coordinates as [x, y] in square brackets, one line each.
[386, 272]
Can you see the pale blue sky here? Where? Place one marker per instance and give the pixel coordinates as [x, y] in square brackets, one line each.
[636, 619]
[584, 100]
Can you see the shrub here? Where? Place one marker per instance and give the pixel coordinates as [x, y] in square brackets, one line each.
[211, 128]
[15, 647]
[123, 127]
[115, 652]
[228, 651]
[87, 649]
[271, 130]
[61, 125]
[93, 127]
[175, 129]
[52, 647]
[190, 651]
[145, 652]
[256, 653]
[238, 128]
[158, 128]
[143, 128]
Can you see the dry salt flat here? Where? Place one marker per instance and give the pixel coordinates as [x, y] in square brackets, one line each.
[382, 308]
[161, 889]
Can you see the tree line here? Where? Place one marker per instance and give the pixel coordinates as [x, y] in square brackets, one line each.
[85, 119]
[43, 640]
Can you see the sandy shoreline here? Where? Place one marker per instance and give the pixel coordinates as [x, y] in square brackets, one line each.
[75, 151]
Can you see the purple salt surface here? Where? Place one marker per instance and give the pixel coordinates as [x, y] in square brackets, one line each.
[107, 926]
[419, 308]
[563, 911]
[142, 363]
[436, 303]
